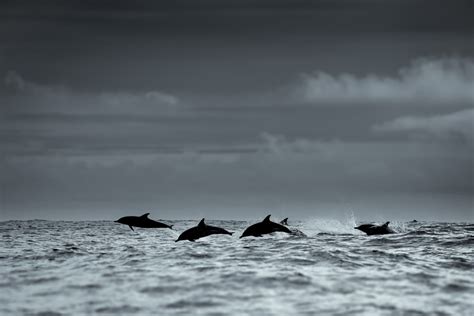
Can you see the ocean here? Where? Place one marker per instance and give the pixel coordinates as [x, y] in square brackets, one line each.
[101, 267]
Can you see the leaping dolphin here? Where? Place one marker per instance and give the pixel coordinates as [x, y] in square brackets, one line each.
[264, 227]
[373, 229]
[294, 231]
[141, 221]
[201, 230]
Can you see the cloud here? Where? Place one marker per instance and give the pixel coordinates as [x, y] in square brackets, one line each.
[44, 118]
[293, 171]
[449, 127]
[26, 97]
[446, 81]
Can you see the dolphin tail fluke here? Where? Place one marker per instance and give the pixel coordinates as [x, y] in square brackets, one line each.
[170, 226]
[230, 233]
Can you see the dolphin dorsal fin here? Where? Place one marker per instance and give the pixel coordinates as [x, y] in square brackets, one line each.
[201, 223]
[145, 215]
[267, 219]
[386, 224]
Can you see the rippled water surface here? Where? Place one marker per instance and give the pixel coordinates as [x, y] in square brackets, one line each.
[63, 268]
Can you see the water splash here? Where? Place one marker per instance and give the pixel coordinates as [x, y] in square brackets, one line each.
[315, 226]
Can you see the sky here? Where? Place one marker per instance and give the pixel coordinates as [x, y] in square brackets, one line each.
[237, 109]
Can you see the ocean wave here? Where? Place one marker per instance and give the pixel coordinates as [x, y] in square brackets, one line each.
[104, 268]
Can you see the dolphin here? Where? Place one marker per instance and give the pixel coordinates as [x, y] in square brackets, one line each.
[141, 221]
[294, 231]
[373, 229]
[264, 227]
[201, 230]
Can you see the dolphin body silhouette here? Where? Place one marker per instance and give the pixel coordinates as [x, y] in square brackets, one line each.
[141, 221]
[294, 231]
[372, 229]
[264, 227]
[202, 230]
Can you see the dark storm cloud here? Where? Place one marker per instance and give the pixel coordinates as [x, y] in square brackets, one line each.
[184, 46]
[58, 118]
[366, 14]
[205, 107]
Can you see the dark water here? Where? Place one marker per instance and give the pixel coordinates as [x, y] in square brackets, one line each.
[77, 268]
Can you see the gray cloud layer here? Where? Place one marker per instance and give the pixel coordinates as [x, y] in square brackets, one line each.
[448, 82]
[24, 96]
[308, 177]
[457, 126]
[147, 149]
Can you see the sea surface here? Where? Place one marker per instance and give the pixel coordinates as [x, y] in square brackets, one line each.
[101, 267]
